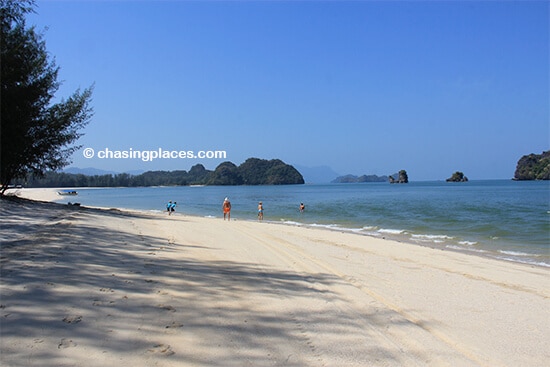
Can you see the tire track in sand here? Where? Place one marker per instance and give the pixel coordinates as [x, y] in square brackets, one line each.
[303, 261]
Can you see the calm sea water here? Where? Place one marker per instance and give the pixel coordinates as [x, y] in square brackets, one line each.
[503, 218]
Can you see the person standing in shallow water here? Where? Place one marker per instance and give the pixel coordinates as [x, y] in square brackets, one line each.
[226, 208]
[302, 207]
[260, 211]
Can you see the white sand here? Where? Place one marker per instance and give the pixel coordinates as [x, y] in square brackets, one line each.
[88, 287]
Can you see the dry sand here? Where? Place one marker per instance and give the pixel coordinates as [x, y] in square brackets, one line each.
[90, 287]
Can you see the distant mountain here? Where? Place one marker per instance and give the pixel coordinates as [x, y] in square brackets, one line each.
[360, 179]
[318, 174]
[533, 167]
[253, 171]
[90, 171]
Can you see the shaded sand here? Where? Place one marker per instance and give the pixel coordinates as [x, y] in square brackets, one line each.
[89, 287]
[39, 194]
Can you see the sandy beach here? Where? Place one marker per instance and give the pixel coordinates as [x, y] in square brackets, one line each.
[97, 287]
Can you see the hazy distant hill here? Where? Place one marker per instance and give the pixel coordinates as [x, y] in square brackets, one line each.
[360, 179]
[318, 175]
[90, 171]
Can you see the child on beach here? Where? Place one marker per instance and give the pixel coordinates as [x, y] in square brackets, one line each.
[260, 211]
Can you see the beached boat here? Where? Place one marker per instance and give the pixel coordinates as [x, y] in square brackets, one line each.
[67, 192]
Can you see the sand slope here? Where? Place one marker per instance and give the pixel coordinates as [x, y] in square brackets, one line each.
[88, 287]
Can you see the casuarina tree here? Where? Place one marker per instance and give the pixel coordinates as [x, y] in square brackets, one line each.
[36, 135]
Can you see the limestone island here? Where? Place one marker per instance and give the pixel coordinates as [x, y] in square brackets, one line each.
[533, 167]
[457, 177]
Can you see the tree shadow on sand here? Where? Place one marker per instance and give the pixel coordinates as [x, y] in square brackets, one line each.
[118, 298]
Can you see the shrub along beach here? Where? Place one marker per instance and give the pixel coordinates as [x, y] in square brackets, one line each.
[89, 287]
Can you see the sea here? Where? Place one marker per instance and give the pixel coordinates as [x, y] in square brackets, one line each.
[504, 219]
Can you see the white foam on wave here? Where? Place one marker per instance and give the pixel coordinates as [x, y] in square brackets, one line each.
[436, 238]
[454, 247]
[514, 253]
[329, 226]
[432, 236]
[467, 243]
[291, 222]
[391, 231]
[529, 262]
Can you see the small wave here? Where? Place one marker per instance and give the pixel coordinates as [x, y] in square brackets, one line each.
[391, 231]
[528, 262]
[332, 226]
[468, 243]
[291, 222]
[454, 247]
[514, 253]
[431, 237]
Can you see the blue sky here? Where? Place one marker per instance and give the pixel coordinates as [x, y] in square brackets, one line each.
[363, 87]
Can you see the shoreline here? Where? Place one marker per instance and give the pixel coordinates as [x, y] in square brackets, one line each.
[93, 285]
[50, 195]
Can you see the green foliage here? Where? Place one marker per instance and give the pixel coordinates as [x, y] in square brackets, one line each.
[256, 171]
[226, 173]
[533, 167]
[35, 135]
[259, 171]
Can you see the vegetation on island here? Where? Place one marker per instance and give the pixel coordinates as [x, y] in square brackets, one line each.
[457, 177]
[533, 167]
[36, 134]
[253, 171]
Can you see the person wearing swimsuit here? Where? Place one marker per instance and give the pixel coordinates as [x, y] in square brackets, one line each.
[226, 208]
[260, 211]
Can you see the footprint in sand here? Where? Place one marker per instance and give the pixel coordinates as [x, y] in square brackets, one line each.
[174, 325]
[167, 308]
[66, 343]
[163, 349]
[72, 319]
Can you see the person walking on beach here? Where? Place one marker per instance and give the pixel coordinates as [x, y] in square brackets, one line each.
[226, 208]
[173, 208]
[260, 211]
[169, 207]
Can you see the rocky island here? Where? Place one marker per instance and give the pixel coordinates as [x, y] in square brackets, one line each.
[533, 167]
[457, 177]
[401, 178]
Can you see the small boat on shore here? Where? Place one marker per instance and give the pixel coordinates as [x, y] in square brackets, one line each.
[67, 192]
